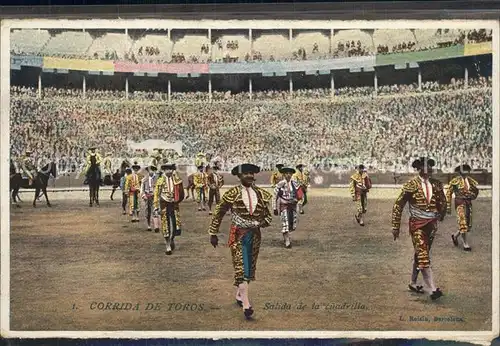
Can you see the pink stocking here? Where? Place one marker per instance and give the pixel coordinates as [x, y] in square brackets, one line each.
[428, 278]
[243, 288]
[156, 222]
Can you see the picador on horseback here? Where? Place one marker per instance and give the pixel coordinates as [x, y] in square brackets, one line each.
[27, 167]
[93, 159]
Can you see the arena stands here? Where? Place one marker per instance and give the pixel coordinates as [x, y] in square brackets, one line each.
[28, 41]
[272, 47]
[158, 48]
[450, 122]
[311, 45]
[110, 46]
[391, 41]
[229, 48]
[151, 48]
[189, 49]
[68, 44]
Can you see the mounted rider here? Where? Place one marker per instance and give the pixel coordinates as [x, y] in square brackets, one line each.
[93, 155]
[156, 157]
[108, 169]
[201, 159]
[27, 167]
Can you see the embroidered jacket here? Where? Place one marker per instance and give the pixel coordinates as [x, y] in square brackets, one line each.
[148, 184]
[215, 180]
[249, 208]
[168, 189]
[107, 166]
[200, 180]
[276, 177]
[359, 183]
[98, 160]
[463, 194]
[200, 159]
[27, 167]
[133, 182]
[122, 182]
[302, 178]
[420, 209]
[286, 193]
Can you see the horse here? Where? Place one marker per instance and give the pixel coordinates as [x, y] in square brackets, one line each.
[113, 181]
[190, 186]
[94, 181]
[39, 183]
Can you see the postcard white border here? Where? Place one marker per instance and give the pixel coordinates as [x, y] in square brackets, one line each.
[480, 337]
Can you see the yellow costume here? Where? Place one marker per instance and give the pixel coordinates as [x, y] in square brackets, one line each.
[465, 190]
[200, 184]
[424, 214]
[301, 176]
[276, 177]
[359, 186]
[200, 159]
[168, 193]
[133, 187]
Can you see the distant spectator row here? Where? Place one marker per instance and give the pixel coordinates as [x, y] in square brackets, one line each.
[227, 96]
[156, 48]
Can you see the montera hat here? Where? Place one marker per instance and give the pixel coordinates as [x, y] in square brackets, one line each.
[169, 166]
[245, 168]
[422, 162]
[361, 166]
[136, 166]
[285, 170]
[280, 165]
[463, 168]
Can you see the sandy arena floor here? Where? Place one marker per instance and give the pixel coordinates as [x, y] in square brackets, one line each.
[69, 262]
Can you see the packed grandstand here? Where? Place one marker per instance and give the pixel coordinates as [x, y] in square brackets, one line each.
[195, 46]
[383, 126]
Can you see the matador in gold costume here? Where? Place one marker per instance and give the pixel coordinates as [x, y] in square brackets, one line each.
[168, 194]
[133, 187]
[359, 186]
[427, 205]
[200, 184]
[215, 181]
[301, 176]
[276, 177]
[465, 190]
[249, 206]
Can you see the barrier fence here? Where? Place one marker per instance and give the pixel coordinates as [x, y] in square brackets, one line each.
[335, 186]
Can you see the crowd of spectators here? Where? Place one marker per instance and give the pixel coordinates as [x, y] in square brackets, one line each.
[441, 38]
[397, 48]
[450, 123]
[267, 95]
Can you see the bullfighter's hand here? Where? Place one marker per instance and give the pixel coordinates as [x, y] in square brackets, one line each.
[214, 241]
[395, 233]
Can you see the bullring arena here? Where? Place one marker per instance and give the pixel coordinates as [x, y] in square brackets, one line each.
[325, 98]
[80, 268]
